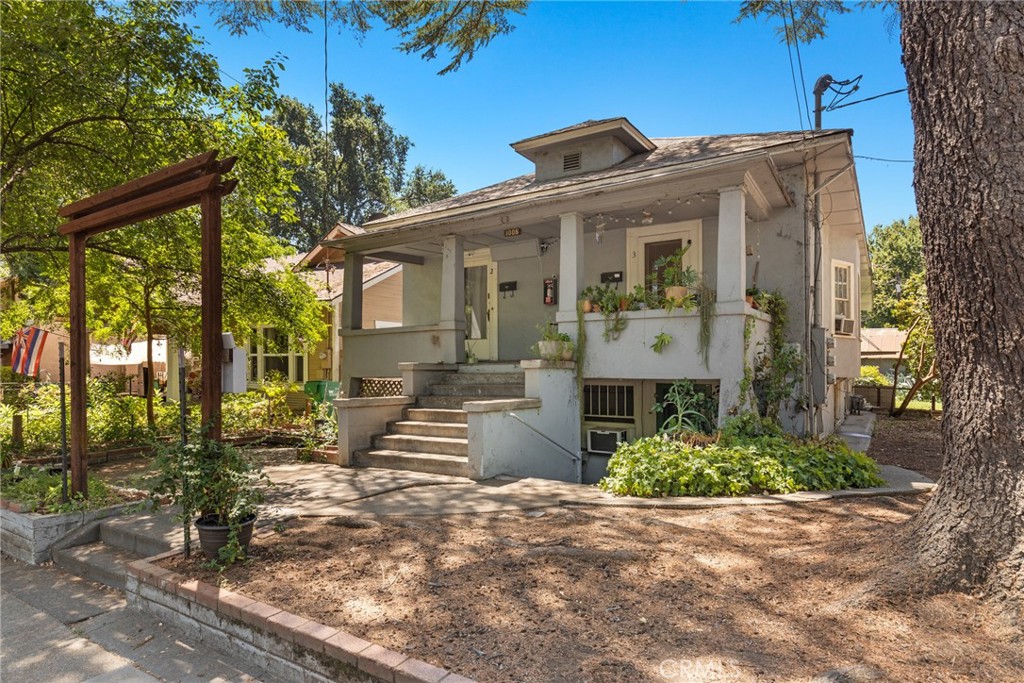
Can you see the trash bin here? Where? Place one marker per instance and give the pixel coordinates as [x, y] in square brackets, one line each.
[322, 391]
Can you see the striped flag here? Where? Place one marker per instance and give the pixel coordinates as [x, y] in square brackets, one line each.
[28, 350]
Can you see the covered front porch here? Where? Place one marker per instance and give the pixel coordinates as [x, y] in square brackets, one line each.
[477, 288]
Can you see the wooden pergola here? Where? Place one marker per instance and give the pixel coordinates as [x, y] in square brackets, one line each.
[188, 183]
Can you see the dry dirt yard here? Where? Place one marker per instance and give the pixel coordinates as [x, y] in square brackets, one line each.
[914, 441]
[603, 595]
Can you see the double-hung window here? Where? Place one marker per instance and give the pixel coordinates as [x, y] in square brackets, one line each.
[271, 355]
[842, 298]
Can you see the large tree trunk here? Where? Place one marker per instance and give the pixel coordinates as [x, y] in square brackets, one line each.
[965, 71]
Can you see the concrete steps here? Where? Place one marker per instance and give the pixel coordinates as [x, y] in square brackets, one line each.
[429, 428]
[422, 444]
[436, 415]
[434, 437]
[432, 463]
[105, 552]
[96, 562]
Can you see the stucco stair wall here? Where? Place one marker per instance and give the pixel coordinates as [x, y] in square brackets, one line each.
[433, 437]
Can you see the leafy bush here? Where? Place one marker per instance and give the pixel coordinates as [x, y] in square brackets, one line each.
[741, 462]
[871, 376]
[115, 419]
[39, 491]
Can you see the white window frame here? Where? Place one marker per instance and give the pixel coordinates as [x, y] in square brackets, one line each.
[295, 356]
[637, 238]
[851, 281]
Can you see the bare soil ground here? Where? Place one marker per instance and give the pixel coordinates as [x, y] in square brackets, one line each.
[598, 595]
[913, 441]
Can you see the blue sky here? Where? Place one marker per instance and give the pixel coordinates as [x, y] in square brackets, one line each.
[672, 68]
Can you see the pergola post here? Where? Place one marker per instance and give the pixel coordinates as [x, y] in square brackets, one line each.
[79, 352]
[212, 314]
[190, 182]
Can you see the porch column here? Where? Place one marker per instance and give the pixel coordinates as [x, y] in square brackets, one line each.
[570, 262]
[453, 298]
[732, 244]
[352, 294]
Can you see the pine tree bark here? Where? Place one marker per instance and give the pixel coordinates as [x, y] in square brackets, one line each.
[965, 73]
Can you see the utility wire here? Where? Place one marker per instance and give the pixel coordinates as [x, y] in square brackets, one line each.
[894, 161]
[866, 99]
[792, 71]
[799, 61]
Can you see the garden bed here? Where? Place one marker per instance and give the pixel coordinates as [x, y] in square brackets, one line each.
[738, 594]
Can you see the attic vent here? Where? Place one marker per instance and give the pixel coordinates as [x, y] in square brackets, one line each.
[571, 161]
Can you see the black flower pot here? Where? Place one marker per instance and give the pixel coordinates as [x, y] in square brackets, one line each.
[213, 536]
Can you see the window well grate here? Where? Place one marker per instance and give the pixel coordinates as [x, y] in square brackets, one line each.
[608, 403]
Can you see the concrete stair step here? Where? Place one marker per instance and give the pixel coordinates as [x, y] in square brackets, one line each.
[483, 378]
[144, 535]
[436, 415]
[422, 444]
[479, 390]
[97, 562]
[453, 403]
[430, 463]
[488, 367]
[417, 428]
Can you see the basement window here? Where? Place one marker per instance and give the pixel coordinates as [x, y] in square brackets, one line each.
[571, 161]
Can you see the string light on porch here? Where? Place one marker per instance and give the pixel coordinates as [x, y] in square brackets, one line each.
[646, 216]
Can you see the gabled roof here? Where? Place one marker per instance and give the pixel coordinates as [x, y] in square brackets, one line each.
[328, 283]
[321, 252]
[670, 152]
[881, 342]
[620, 128]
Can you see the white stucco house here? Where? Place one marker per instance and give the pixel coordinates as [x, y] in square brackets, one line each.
[483, 269]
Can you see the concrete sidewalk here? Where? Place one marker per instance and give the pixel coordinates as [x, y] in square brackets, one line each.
[60, 629]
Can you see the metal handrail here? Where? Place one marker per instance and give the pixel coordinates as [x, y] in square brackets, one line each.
[574, 457]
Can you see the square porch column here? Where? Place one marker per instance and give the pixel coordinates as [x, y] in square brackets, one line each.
[453, 298]
[352, 294]
[732, 245]
[570, 262]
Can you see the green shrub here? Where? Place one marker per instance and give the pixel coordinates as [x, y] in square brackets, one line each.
[737, 465]
[39, 491]
[871, 376]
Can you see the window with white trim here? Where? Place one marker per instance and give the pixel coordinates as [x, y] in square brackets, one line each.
[271, 354]
[644, 246]
[842, 298]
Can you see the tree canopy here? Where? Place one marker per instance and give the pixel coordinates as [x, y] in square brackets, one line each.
[357, 173]
[896, 256]
[94, 94]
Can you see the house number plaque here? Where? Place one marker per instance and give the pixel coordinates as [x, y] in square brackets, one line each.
[513, 232]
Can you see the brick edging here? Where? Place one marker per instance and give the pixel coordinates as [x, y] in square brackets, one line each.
[294, 646]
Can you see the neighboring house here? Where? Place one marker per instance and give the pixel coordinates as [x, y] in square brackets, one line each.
[485, 268]
[880, 346]
[269, 354]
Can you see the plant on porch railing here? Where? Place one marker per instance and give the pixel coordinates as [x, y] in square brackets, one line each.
[553, 345]
[707, 297]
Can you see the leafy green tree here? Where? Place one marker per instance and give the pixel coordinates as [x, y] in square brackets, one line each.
[424, 186]
[913, 316]
[358, 172]
[896, 256]
[95, 94]
[965, 72]
[457, 29]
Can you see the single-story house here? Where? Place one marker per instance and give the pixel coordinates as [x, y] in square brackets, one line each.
[484, 269]
[880, 346]
[323, 268]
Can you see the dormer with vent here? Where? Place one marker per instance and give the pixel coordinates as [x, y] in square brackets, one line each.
[587, 146]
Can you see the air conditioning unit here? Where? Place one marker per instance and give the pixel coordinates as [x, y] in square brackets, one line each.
[605, 440]
[844, 326]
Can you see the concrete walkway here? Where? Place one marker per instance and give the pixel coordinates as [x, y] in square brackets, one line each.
[57, 628]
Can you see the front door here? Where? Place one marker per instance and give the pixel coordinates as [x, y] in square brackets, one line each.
[481, 305]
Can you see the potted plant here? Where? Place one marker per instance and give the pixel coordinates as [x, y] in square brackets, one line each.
[554, 345]
[588, 298]
[218, 490]
[753, 297]
[673, 277]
